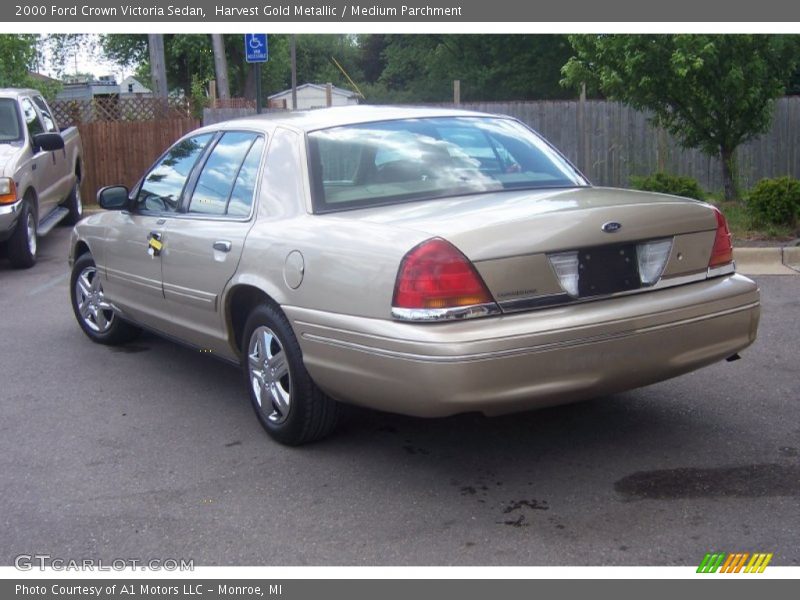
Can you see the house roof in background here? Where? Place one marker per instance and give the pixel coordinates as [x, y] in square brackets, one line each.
[334, 90]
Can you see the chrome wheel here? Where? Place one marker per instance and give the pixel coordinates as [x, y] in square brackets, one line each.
[93, 309]
[269, 374]
[30, 226]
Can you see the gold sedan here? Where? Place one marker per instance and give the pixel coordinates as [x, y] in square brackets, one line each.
[425, 262]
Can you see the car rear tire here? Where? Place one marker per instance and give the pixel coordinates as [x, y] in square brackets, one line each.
[94, 314]
[287, 402]
[74, 204]
[23, 245]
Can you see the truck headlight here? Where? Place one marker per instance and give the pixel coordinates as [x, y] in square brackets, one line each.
[8, 191]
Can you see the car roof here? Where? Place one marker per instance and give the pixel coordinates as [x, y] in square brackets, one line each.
[322, 118]
[16, 92]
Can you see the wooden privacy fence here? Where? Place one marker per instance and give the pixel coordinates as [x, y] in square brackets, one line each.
[609, 142]
[118, 152]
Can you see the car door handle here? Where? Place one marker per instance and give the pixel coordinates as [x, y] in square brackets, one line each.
[222, 245]
[154, 244]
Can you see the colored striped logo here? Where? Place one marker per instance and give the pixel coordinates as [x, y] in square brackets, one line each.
[734, 563]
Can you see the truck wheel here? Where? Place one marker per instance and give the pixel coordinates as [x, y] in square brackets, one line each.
[74, 204]
[288, 404]
[93, 312]
[22, 243]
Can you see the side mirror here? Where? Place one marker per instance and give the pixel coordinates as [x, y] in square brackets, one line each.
[113, 197]
[49, 142]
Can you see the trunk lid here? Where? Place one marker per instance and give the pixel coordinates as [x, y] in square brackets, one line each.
[505, 224]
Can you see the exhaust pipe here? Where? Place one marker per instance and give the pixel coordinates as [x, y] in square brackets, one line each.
[733, 357]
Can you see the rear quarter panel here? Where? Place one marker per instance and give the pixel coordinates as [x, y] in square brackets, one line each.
[349, 266]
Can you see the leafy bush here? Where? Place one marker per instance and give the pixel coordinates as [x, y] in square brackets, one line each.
[668, 184]
[198, 96]
[775, 201]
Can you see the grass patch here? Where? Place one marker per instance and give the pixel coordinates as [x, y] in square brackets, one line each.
[743, 228]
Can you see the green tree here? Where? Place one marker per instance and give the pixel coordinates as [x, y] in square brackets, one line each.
[314, 64]
[17, 56]
[421, 68]
[712, 92]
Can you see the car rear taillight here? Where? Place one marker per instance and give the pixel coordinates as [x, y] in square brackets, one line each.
[722, 252]
[436, 281]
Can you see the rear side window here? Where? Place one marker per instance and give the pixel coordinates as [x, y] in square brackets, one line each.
[47, 118]
[242, 195]
[227, 180]
[32, 121]
[163, 186]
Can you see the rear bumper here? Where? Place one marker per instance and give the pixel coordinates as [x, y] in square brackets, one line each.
[9, 213]
[516, 362]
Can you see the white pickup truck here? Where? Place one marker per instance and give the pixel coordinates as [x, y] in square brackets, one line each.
[40, 173]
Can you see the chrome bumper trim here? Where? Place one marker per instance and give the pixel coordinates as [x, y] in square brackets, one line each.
[445, 314]
[10, 209]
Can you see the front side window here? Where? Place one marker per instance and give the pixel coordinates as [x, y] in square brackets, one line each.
[32, 121]
[9, 121]
[162, 188]
[226, 174]
[416, 159]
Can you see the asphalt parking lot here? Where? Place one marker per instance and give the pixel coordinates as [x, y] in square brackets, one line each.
[152, 451]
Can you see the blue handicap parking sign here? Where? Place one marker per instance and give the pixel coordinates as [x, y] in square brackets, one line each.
[255, 47]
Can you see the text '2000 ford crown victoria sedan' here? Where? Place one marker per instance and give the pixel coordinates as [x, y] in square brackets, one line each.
[426, 262]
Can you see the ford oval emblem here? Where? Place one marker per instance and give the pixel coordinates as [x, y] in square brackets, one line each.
[611, 227]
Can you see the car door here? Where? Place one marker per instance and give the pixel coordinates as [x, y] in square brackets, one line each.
[62, 173]
[134, 238]
[202, 246]
[45, 175]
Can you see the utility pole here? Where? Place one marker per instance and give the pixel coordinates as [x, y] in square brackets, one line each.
[293, 49]
[257, 69]
[221, 66]
[155, 42]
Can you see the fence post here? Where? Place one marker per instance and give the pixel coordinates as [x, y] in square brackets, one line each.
[457, 92]
[212, 93]
[329, 94]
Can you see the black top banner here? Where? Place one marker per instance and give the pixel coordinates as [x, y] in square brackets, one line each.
[405, 11]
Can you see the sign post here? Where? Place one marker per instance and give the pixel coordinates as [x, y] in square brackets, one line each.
[256, 51]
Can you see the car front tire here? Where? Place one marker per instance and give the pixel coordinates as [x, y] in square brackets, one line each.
[287, 402]
[94, 314]
[23, 245]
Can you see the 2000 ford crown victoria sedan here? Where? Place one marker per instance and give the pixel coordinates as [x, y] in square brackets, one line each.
[426, 262]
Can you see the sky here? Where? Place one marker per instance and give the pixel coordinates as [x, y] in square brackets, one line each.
[85, 62]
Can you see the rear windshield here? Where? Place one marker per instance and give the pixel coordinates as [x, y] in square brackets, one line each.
[9, 121]
[413, 159]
